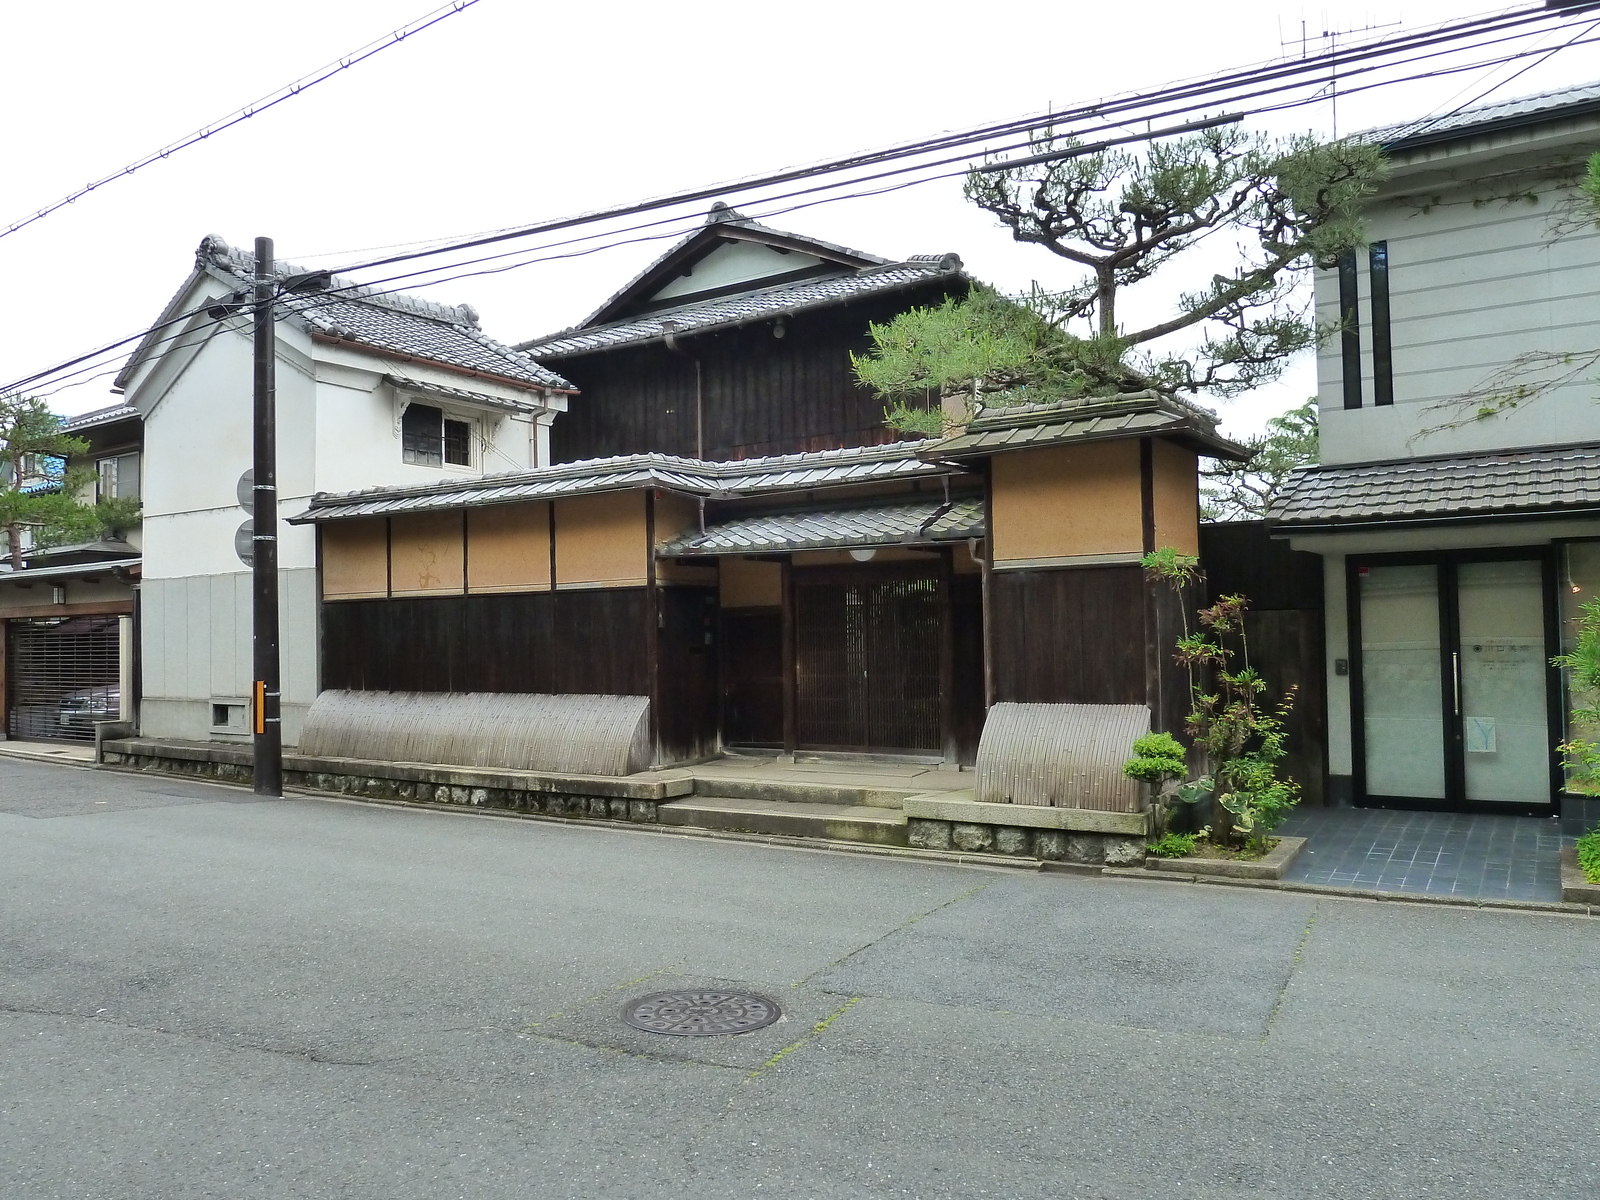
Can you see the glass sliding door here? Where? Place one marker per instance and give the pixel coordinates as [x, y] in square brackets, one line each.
[1505, 725]
[1454, 683]
[1402, 683]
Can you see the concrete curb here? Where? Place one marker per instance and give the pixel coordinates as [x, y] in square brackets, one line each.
[989, 861]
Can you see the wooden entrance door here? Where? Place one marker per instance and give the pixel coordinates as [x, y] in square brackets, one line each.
[867, 662]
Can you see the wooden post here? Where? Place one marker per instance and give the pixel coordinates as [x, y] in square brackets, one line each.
[652, 645]
[986, 569]
[5, 683]
[791, 715]
[947, 656]
[1152, 607]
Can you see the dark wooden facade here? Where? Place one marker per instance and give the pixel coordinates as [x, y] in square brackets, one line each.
[597, 641]
[1284, 626]
[759, 394]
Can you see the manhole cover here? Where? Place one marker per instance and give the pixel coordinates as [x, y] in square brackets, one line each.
[701, 1014]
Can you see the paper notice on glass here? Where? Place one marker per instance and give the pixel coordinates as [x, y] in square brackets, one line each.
[1479, 733]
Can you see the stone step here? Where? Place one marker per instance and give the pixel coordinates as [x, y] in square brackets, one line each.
[794, 818]
[804, 792]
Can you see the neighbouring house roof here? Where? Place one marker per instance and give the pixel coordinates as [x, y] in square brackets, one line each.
[915, 522]
[762, 304]
[70, 571]
[1581, 100]
[722, 225]
[364, 318]
[100, 416]
[785, 473]
[1504, 483]
[1031, 426]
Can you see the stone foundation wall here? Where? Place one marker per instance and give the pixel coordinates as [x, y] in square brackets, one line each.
[1048, 845]
[412, 791]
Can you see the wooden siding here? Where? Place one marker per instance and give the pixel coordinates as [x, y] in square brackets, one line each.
[1285, 628]
[762, 395]
[752, 676]
[584, 642]
[688, 650]
[1070, 635]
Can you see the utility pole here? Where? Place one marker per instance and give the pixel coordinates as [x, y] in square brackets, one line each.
[265, 694]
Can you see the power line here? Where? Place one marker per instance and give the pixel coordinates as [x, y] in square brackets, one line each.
[238, 116]
[1105, 110]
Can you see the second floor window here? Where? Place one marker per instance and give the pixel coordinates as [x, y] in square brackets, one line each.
[428, 438]
[117, 478]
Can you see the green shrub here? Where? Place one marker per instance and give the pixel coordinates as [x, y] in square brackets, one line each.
[1176, 845]
[1589, 854]
[1156, 756]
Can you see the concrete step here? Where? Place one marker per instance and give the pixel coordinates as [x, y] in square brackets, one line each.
[794, 818]
[823, 792]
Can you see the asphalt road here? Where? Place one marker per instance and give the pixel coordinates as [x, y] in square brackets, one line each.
[202, 994]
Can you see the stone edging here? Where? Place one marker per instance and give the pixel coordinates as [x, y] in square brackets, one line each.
[1268, 866]
[1575, 885]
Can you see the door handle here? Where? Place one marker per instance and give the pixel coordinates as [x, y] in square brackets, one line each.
[1455, 678]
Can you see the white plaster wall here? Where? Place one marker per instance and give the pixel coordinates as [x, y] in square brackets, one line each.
[337, 430]
[1478, 276]
[737, 262]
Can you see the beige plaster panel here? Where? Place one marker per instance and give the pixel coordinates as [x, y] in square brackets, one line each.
[600, 540]
[1176, 491]
[425, 553]
[355, 559]
[841, 558]
[694, 574]
[1067, 500]
[508, 548]
[750, 583]
[675, 516]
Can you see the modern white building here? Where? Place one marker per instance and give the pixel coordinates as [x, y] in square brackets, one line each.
[1457, 506]
[373, 389]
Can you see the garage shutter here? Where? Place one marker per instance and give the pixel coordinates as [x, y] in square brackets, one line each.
[64, 676]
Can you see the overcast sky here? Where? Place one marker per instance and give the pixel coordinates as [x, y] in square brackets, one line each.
[512, 112]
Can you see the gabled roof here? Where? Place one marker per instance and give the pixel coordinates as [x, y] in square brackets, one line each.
[1538, 109]
[763, 304]
[1554, 480]
[778, 474]
[722, 225]
[364, 318]
[1091, 418]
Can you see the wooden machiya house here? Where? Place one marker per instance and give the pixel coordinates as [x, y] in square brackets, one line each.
[729, 529]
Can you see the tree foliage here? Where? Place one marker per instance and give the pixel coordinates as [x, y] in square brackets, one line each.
[1245, 491]
[1240, 733]
[1123, 218]
[38, 491]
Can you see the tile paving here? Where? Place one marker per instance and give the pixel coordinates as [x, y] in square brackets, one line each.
[1481, 855]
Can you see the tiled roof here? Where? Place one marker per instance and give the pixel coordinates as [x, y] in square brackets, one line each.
[1020, 426]
[1522, 110]
[100, 416]
[715, 480]
[917, 522]
[440, 392]
[1554, 479]
[408, 325]
[779, 300]
[718, 220]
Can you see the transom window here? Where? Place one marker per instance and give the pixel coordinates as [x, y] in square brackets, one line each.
[428, 438]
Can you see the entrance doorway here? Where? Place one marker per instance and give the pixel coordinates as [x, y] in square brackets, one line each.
[1454, 702]
[868, 662]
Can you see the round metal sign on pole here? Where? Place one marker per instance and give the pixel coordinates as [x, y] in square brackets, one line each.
[245, 492]
[244, 543]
